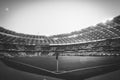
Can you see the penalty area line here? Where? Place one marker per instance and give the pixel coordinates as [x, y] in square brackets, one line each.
[87, 68]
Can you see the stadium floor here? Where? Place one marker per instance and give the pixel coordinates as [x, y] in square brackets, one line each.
[68, 63]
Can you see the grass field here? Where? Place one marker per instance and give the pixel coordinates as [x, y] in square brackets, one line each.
[69, 64]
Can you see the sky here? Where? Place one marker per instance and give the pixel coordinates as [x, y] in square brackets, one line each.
[51, 17]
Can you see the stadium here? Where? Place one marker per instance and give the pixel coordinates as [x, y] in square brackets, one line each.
[59, 40]
[77, 55]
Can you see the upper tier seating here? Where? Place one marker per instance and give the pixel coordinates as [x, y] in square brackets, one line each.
[108, 30]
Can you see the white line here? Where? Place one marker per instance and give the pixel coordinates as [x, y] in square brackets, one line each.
[57, 67]
[87, 68]
[33, 66]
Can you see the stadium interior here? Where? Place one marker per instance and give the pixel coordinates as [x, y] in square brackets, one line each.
[103, 39]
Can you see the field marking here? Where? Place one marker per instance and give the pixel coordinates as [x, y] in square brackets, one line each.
[63, 72]
[87, 68]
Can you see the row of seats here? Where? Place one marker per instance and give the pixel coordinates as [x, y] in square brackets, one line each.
[106, 45]
[82, 53]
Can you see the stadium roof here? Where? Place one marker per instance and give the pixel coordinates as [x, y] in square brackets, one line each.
[51, 17]
[101, 31]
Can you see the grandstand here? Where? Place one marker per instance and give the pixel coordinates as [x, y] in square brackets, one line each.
[103, 39]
